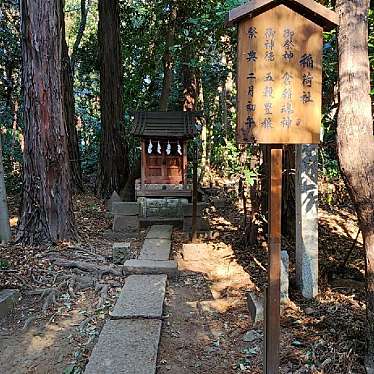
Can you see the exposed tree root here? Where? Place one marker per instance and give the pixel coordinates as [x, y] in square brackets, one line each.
[99, 270]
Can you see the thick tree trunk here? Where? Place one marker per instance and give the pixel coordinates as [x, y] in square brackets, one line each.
[168, 62]
[355, 132]
[70, 119]
[47, 214]
[4, 215]
[113, 167]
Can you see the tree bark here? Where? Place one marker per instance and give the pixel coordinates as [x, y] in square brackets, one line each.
[355, 133]
[69, 113]
[113, 167]
[4, 215]
[168, 61]
[47, 212]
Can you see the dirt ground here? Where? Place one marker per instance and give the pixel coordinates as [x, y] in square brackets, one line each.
[207, 327]
[54, 332]
[206, 321]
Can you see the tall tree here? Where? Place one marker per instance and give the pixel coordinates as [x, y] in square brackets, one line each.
[113, 167]
[355, 133]
[69, 113]
[4, 216]
[47, 213]
[85, 8]
[168, 58]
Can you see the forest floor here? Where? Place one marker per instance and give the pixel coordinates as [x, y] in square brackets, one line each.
[206, 329]
[67, 292]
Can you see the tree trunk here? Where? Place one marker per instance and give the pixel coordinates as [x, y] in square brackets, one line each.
[4, 215]
[355, 133]
[168, 62]
[70, 120]
[47, 213]
[85, 8]
[113, 167]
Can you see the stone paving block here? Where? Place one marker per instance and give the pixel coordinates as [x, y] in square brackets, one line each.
[8, 300]
[141, 297]
[121, 253]
[150, 267]
[125, 209]
[160, 232]
[155, 249]
[126, 347]
[125, 223]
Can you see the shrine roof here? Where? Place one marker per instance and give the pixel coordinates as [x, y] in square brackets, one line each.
[165, 124]
[310, 9]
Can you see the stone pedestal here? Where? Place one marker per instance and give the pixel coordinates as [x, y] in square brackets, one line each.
[306, 196]
[126, 217]
[201, 224]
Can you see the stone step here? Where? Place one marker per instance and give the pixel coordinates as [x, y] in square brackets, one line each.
[126, 347]
[155, 249]
[141, 297]
[160, 232]
[150, 267]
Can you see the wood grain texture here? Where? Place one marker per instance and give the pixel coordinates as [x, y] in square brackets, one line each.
[273, 125]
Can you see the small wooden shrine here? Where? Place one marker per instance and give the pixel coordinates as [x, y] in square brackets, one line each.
[164, 163]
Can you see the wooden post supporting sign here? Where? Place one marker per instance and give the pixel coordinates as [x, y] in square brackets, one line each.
[279, 79]
[272, 310]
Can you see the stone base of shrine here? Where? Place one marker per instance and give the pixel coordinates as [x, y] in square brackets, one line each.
[163, 190]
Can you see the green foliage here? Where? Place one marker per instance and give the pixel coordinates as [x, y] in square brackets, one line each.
[201, 43]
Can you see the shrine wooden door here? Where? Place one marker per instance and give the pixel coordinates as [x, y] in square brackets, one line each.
[163, 168]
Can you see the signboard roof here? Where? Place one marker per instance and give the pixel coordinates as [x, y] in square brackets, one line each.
[310, 9]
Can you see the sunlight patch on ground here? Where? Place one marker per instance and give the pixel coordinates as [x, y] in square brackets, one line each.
[341, 222]
[218, 263]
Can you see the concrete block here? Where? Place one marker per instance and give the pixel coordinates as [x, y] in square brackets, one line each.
[150, 267]
[126, 347]
[187, 209]
[141, 297]
[255, 307]
[115, 198]
[155, 249]
[121, 253]
[8, 301]
[201, 224]
[125, 223]
[125, 209]
[285, 263]
[160, 232]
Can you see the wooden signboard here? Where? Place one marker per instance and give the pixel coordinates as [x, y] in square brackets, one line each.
[279, 78]
[279, 102]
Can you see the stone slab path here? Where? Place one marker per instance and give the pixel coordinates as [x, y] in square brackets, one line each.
[156, 249]
[150, 267]
[160, 232]
[126, 347]
[128, 344]
[151, 288]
